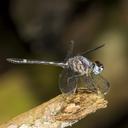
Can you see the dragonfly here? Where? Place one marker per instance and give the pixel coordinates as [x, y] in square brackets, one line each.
[79, 72]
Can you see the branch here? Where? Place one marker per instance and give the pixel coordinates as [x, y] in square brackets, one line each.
[59, 112]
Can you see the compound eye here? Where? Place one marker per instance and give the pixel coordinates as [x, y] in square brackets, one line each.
[98, 63]
[101, 67]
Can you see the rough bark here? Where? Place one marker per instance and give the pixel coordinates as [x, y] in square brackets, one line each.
[59, 112]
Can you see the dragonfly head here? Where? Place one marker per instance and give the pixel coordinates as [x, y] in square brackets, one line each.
[97, 67]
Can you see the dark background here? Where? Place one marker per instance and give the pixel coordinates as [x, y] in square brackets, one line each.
[42, 29]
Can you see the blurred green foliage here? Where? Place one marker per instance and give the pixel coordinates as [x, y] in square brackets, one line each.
[15, 97]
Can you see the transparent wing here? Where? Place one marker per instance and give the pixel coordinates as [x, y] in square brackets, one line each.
[67, 83]
[85, 83]
[93, 83]
[93, 49]
[101, 84]
[70, 50]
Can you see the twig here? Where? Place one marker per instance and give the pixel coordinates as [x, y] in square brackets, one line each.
[59, 112]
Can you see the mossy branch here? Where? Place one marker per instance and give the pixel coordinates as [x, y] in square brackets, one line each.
[59, 112]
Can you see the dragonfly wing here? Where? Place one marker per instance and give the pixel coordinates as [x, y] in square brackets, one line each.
[101, 84]
[85, 83]
[70, 50]
[67, 83]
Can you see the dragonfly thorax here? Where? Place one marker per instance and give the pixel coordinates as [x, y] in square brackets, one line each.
[79, 64]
